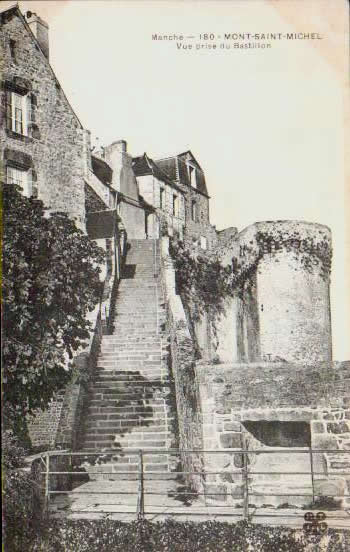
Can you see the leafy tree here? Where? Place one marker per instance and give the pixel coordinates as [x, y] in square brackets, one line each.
[50, 281]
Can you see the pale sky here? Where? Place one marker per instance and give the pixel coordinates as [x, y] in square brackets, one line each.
[267, 126]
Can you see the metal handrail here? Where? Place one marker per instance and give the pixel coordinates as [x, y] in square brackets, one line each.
[136, 451]
[242, 473]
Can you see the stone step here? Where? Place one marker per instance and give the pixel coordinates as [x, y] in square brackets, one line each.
[138, 315]
[99, 411]
[157, 425]
[129, 384]
[102, 433]
[107, 442]
[139, 339]
[148, 284]
[108, 376]
[131, 351]
[149, 375]
[131, 355]
[136, 341]
[136, 331]
[118, 395]
[138, 386]
[132, 402]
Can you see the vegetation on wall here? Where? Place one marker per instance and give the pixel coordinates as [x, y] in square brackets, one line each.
[313, 254]
[202, 281]
[50, 281]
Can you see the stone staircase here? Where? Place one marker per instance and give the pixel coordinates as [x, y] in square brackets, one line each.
[129, 398]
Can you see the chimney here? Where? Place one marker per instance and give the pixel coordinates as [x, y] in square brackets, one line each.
[119, 145]
[120, 162]
[40, 29]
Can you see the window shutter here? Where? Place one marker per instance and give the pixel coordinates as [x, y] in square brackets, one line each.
[32, 183]
[33, 104]
[8, 109]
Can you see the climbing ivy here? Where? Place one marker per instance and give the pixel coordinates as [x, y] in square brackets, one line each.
[202, 281]
[314, 253]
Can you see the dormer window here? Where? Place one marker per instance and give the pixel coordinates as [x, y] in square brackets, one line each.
[192, 175]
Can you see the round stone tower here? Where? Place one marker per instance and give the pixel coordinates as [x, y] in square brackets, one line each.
[291, 289]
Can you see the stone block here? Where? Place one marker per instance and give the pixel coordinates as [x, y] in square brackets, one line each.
[216, 492]
[238, 460]
[341, 465]
[237, 491]
[218, 461]
[324, 441]
[232, 426]
[227, 477]
[231, 440]
[319, 463]
[339, 427]
[329, 487]
[318, 427]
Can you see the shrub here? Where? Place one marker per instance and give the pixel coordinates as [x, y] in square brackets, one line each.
[21, 517]
[172, 536]
[324, 503]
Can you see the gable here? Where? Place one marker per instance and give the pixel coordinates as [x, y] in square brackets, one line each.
[188, 156]
[23, 57]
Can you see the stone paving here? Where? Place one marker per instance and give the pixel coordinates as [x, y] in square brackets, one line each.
[96, 499]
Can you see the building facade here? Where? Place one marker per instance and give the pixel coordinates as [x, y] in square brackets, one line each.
[44, 145]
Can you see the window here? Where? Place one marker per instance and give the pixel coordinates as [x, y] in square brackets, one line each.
[161, 198]
[18, 112]
[192, 175]
[13, 49]
[175, 205]
[194, 210]
[203, 242]
[26, 179]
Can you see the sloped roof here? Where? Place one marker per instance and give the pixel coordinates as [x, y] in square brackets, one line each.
[101, 169]
[144, 165]
[176, 168]
[101, 224]
[187, 154]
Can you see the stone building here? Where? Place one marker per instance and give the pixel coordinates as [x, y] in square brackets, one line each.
[185, 170]
[165, 195]
[45, 148]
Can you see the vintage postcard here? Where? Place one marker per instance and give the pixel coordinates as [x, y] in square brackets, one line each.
[175, 278]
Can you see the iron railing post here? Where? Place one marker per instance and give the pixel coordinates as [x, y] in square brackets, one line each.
[140, 501]
[312, 474]
[47, 484]
[246, 486]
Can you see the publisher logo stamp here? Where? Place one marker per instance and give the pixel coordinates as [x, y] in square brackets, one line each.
[315, 524]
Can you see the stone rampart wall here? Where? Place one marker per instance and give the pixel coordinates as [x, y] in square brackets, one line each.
[183, 355]
[272, 394]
